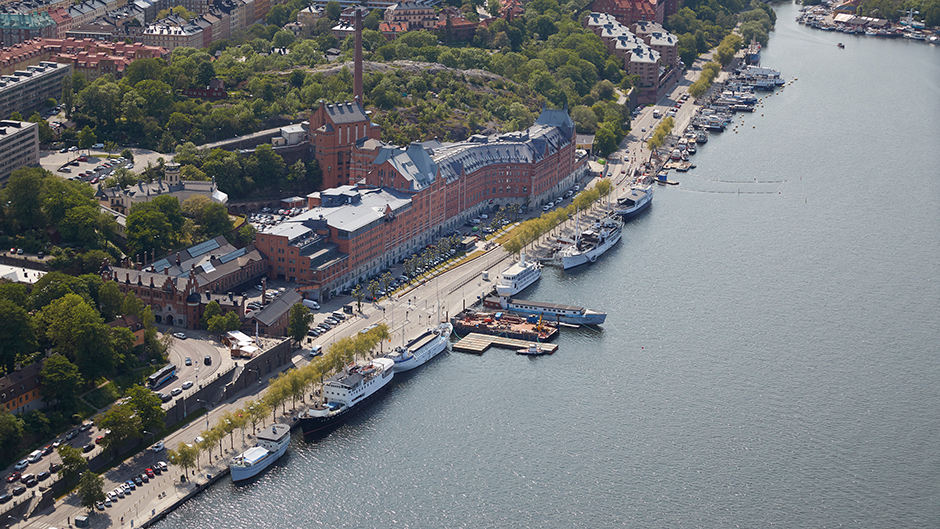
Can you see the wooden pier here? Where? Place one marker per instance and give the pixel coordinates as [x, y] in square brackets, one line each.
[475, 343]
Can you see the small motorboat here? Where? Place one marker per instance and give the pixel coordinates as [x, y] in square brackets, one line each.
[534, 349]
[841, 45]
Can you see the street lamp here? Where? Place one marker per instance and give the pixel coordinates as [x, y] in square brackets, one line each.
[153, 454]
[207, 411]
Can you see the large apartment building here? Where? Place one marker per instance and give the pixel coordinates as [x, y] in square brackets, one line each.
[26, 90]
[19, 147]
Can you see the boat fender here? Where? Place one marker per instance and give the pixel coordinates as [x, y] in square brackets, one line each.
[593, 258]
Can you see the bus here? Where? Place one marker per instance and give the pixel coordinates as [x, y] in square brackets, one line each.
[165, 373]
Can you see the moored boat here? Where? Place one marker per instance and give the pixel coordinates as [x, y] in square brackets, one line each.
[549, 311]
[519, 276]
[423, 348]
[592, 243]
[534, 349]
[638, 200]
[271, 445]
[346, 393]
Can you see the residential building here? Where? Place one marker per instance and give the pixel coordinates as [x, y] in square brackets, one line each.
[180, 286]
[652, 55]
[20, 391]
[215, 90]
[19, 147]
[452, 25]
[133, 324]
[629, 11]
[172, 35]
[392, 31]
[413, 14]
[121, 200]
[26, 90]
[16, 28]
[92, 58]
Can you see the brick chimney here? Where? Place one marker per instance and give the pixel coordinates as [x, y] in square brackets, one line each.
[357, 79]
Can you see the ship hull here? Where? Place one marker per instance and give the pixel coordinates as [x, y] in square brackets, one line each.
[589, 256]
[428, 352]
[628, 213]
[316, 427]
[243, 473]
[517, 287]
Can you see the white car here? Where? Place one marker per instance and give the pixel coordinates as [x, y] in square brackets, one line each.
[157, 447]
[188, 384]
[179, 335]
[21, 465]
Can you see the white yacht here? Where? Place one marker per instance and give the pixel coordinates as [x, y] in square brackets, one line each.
[591, 244]
[272, 443]
[423, 348]
[518, 277]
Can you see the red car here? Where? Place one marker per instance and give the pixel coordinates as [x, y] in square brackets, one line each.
[149, 473]
[14, 477]
[98, 439]
[83, 158]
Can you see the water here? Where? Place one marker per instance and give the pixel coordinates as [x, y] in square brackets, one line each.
[770, 357]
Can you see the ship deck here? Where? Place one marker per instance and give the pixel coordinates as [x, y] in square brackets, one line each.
[475, 343]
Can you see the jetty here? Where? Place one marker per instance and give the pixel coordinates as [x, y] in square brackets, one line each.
[475, 343]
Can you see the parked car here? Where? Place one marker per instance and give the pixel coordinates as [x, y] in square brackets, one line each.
[179, 335]
[143, 477]
[163, 466]
[149, 473]
[14, 477]
[131, 485]
[23, 463]
[18, 490]
[55, 467]
[44, 475]
[188, 384]
[88, 448]
[176, 391]
[4, 498]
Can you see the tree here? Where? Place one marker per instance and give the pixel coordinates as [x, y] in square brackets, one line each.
[278, 15]
[282, 39]
[124, 423]
[72, 461]
[154, 226]
[77, 332]
[109, 301]
[110, 146]
[11, 431]
[148, 407]
[333, 10]
[16, 334]
[184, 456]
[68, 96]
[86, 138]
[91, 489]
[127, 155]
[61, 382]
[299, 324]
[215, 221]
[45, 131]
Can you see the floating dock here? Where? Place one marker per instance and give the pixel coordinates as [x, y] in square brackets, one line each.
[476, 343]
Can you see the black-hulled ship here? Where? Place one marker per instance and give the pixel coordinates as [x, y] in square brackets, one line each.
[346, 393]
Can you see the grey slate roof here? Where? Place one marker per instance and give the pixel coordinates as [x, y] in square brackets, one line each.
[278, 307]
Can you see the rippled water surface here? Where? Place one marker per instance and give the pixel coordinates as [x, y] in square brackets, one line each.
[770, 355]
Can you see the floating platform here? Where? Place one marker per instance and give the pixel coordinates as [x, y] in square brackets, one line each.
[475, 343]
[679, 166]
[501, 324]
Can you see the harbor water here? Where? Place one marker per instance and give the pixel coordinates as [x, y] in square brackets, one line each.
[770, 355]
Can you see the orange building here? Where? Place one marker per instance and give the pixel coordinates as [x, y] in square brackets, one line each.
[20, 390]
[334, 130]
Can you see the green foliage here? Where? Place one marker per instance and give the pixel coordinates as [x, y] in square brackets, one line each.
[90, 490]
[156, 225]
[11, 433]
[147, 405]
[16, 334]
[299, 324]
[61, 382]
[124, 423]
[72, 461]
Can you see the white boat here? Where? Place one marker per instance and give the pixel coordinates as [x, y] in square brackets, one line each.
[271, 445]
[346, 393]
[639, 199]
[423, 348]
[591, 244]
[555, 312]
[534, 349]
[518, 277]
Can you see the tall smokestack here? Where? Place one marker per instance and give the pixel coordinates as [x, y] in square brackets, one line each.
[357, 80]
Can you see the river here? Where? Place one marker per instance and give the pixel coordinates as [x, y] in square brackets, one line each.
[770, 355]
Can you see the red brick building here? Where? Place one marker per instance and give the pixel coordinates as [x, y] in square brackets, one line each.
[629, 11]
[178, 288]
[334, 130]
[405, 198]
